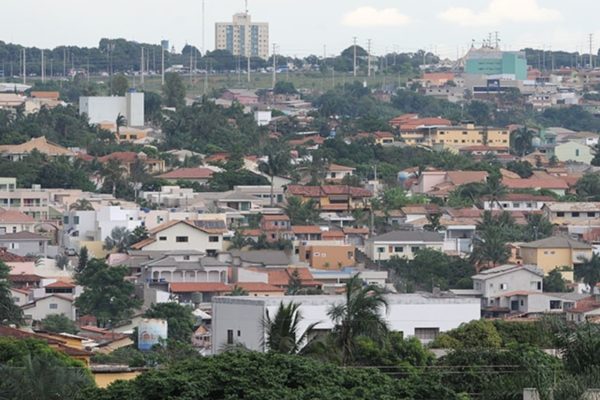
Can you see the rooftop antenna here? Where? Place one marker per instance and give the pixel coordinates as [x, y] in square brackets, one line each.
[497, 39]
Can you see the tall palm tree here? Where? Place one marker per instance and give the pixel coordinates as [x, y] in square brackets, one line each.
[119, 122]
[521, 141]
[277, 163]
[120, 239]
[434, 222]
[113, 172]
[283, 330]
[494, 189]
[359, 315]
[589, 271]
[489, 248]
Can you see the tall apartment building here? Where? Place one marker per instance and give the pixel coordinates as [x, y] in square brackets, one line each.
[243, 37]
[492, 61]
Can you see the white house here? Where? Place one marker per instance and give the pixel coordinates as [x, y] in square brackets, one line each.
[49, 305]
[402, 244]
[494, 283]
[107, 108]
[239, 319]
[184, 235]
[517, 202]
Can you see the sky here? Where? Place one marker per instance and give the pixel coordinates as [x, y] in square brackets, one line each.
[304, 27]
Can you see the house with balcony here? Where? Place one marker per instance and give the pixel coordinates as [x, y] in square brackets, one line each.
[494, 283]
[558, 212]
[332, 198]
[517, 202]
[276, 227]
[183, 266]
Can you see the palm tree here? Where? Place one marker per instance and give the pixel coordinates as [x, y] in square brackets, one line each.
[119, 122]
[283, 330]
[433, 222]
[489, 248]
[238, 241]
[119, 239]
[301, 212]
[82, 205]
[238, 291]
[278, 162]
[521, 141]
[493, 188]
[113, 172]
[589, 271]
[360, 315]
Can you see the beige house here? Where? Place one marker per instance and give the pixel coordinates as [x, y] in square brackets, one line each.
[50, 305]
[13, 221]
[337, 173]
[555, 252]
[402, 244]
[17, 152]
[574, 152]
[183, 235]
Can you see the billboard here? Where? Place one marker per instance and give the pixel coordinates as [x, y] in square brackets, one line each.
[151, 332]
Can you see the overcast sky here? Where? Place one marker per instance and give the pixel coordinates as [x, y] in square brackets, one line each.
[303, 27]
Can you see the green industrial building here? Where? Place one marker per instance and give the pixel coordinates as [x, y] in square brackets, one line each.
[488, 61]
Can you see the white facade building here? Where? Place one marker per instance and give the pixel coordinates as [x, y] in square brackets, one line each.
[107, 108]
[239, 319]
[242, 37]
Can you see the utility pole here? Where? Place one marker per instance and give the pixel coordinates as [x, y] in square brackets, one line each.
[369, 57]
[203, 28]
[162, 64]
[205, 76]
[191, 63]
[43, 68]
[274, 66]
[24, 66]
[354, 47]
[65, 60]
[142, 69]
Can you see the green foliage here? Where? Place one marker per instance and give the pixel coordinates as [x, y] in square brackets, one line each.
[588, 270]
[119, 85]
[475, 334]
[107, 296]
[554, 282]
[359, 315]
[120, 239]
[226, 180]
[83, 259]
[588, 187]
[396, 197]
[429, 269]
[395, 351]
[284, 87]
[522, 168]
[10, 313]
[59, 323]
[301, 213]
[180, 320]
[173, 91]
[283, 332]
[32, 370]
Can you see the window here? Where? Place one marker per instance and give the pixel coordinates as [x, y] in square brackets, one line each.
[53, 306]
[76, 220]
[539, 286]
[516, 205]
[66, 219]
[230, 336]
[350, 255]
[162, 238]
[181, 239]
[333, 175]
[186, 258]
[576, 152]
[555, 304]
[503, 286]
[14, 229]
[427, 334]
[398, 249]
[381, 249]
[591, 214]
[560, 214]
[213, 239]
[529, 205]
[16, 300]
[574, 214]
[239, 333]
[522, 303]
[414, 249]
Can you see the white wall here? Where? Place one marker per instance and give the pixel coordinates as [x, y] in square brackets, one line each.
[197, 240]
[42, 308]
[114, 216]
[405, 313]
[107, 108]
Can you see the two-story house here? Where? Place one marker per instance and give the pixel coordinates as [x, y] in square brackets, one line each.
[555, 252]
[336, 173]
[557, 212]
[402, 244]
[494, 283]
[332, 198]
[183, 235]
[517, 202]
[276, 227]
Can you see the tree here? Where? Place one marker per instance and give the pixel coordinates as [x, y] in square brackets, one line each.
[472, 335]
[493, 188]
[174, 91]
[10, 313]
[31, 369]
[433, 222]
[283, 329]
[589, 271]
[238, 291]
[588, 187]
[538, 227]
[522, 168]
[139, 233]
[301, 212]
[359, 315]
[278, 162]
[521, 141]
[237, 241]
[180, 320]
[119, 122]
[82, 205]
[120, 239]
[120, 85]
[82, 259]
[59, 323]
[284, 87]
[252, 375]
[113, 173]
[107, 295]
[294, 283]
[489, 248]
[554, 282]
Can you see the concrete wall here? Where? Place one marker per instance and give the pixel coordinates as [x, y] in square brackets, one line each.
[197, 240]
[517, 280]
[42, 309]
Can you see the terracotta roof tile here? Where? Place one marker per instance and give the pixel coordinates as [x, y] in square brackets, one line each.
[190, 287]
[188, 173]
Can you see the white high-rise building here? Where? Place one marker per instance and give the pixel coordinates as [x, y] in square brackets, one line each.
[243, 37]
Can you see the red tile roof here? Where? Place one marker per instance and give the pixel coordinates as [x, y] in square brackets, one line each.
[6, 256]
[60, 285]
[188, 173]
[280, 217]
[337, 167]
[357, 231]
[306, 229]
[536, 183]
[316, 139]
[332, 235]
[258, 287]
[281, 277]
[14, 216]
[190, 287]
[24, 278]
[327, 190]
